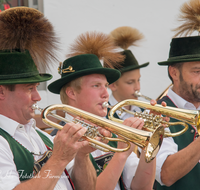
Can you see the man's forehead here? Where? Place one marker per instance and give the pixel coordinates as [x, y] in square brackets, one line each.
[95, 77]
[194, 64]
[28, 84]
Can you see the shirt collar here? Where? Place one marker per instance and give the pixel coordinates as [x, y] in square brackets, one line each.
[179, 101]
[10, 126]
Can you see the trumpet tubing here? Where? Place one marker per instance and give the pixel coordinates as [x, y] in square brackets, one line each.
[90, 134]
[150, 141]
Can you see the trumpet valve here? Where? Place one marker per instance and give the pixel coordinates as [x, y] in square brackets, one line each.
[91, 132]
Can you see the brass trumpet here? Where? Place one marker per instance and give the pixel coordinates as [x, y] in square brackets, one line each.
[150, 141]
[152, 121]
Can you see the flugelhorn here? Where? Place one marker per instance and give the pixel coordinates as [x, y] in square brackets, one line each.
[151, 121]
[150, 141]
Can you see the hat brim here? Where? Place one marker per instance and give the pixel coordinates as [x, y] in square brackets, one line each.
[133, 67]
[111, 74]
[27, 80]
[170, 62]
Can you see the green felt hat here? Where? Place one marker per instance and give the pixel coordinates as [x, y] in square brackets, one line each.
[18, 67]
[79, 66]
[130, 62]
[184, 49]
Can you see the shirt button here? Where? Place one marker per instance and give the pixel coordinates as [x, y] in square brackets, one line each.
[192, 131]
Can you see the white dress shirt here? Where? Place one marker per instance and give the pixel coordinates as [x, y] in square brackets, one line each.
[29, 138]
[129, 168]
[132, 161]
[179, 101]
[169, 146]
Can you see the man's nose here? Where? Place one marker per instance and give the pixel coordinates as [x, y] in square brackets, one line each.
[36, 96]
[105, 93]
[137, 86]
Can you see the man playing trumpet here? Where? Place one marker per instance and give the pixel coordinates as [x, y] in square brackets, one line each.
[83, 84]
[178, 164]
[27, 160]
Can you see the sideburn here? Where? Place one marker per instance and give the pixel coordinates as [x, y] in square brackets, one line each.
[10, 87]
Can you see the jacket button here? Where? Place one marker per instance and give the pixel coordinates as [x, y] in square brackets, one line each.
[192, 131]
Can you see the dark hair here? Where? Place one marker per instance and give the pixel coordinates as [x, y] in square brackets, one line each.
[10, 87]
[176, 65]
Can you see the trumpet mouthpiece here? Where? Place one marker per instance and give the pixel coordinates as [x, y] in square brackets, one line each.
[36, 107]
[137, 93]
[106, 105]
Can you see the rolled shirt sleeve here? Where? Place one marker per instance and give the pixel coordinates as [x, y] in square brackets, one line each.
[130, 169]
[168, 147]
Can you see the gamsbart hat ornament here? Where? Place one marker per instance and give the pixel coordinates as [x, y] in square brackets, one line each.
[124, 37]
[186, 48]
[84, 59]
[28, 44]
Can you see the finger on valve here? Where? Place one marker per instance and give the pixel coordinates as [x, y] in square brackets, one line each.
[164, 104]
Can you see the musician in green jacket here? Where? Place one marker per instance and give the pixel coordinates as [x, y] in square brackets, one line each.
[178, 165]
[30, 158]
[83, 84]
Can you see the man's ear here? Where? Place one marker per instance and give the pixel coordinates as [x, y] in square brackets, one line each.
[174, 73]
[113, 86]
[70, 92]
[2, 92]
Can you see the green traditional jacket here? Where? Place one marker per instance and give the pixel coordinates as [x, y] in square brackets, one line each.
[190, 181]
[23, 159]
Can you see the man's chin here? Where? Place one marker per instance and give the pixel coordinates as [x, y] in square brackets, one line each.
[32, 115]
[132, 97]
[135, 98]
[102, 113]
